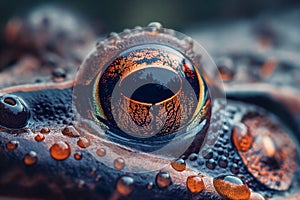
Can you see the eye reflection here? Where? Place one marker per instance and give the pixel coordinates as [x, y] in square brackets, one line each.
[150, 90]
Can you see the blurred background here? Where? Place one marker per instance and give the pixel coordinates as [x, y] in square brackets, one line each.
[179, 14]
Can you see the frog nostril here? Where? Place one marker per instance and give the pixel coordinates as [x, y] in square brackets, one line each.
[14, 113]
[10, 101]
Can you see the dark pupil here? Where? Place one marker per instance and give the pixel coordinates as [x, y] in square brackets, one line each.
[152, 93]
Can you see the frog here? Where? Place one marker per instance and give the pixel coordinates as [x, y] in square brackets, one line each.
[59, 139]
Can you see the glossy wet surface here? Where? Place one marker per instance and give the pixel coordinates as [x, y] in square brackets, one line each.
[50, 153]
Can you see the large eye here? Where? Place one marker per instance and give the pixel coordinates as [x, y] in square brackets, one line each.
[147, 88]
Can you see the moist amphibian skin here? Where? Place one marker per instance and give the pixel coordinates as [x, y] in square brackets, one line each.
[145, 116]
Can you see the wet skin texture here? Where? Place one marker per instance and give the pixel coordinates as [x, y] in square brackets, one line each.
[253, 91]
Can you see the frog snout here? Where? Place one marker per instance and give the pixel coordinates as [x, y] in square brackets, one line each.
[14, 112]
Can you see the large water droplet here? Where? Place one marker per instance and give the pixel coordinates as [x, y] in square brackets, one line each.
[163, 179]
[30, 158]
[242, 137]
[119, 163]
[195, 184]
[179, 165]
[12, 145]
[125, 185]
[60, 150]
[231, 187]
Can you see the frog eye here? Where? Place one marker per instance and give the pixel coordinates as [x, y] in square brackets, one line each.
[147, 86]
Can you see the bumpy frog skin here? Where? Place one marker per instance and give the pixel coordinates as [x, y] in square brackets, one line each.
[251, 145]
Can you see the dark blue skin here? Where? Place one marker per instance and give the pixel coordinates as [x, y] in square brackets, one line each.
[49, 105]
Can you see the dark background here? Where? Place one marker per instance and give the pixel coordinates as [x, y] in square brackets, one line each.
[119, 14]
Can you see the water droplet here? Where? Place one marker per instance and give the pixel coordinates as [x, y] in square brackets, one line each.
[179, 165]
[45, 130]
[150, 186]
[211, 164]
[30, 158]
[83, 142]
[155, 25]
[60, 150]
[93, 171]
[81, 184]
[242, 137]
[39, 137]
[231, 187]
[70, 131]
[59, 74]
[119, 163]
[256, 196]
[223, 162]
[98, 178]
[101, 152]
[195, 184]
[12, 145]
[78, 155]
[193, 157]
[163, 179]
[125, 185]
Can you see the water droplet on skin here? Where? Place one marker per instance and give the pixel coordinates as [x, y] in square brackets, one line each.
[70, 131]
[119, 163]
[12, 145]
[195, 184]
[78, 155]
[242, 137]
[231, 187]
[193, 157]
[45, 130]
[92, 171]
[83, 142]
[39, 137]
[150, 186]
[163, 179]
[211, 164]
[98, 178]
[60, 150]
[30, 158]
[81, 184]
[256, 196]
[179, 165]
[101, 152]
[125, 185]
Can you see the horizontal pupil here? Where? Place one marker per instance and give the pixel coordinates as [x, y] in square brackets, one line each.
[152, 93]
[150, 85]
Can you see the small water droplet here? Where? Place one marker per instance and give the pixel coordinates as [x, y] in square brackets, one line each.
[60, 150]
[101, 152]
[81, 184]
[163, 179]
[125, 185]
[211, 164]
[39, 137]
[231, 187]
[195, 184]
[12, 145]
[155, 25]
[59, 74]
[242, 137]
[83, 142]
[193, 157]
[98, 178]
[179, 165]
[78, 155]
[150, 186]
[45, 130]
[30, 158]
[119, 163]
[93, 171]
[70, 131]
